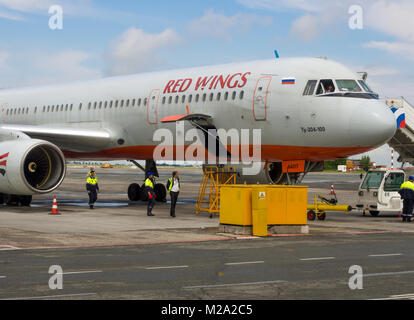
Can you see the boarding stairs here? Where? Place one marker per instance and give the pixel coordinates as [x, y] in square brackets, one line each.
[403, 140]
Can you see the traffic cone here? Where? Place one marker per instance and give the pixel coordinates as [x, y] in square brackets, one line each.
[332, 190]
[55, 210]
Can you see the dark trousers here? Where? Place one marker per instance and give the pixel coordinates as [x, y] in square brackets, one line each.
[408, 206]
[151, 202]
[174, 197]
[93, 196]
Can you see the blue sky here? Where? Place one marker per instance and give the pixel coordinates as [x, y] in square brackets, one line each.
[103, 38]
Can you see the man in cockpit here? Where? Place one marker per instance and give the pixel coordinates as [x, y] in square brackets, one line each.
[330, 89]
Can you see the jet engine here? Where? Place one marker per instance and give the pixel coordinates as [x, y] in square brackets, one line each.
[30, 166]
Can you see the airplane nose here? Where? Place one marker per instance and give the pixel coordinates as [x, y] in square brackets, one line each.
[372, 124]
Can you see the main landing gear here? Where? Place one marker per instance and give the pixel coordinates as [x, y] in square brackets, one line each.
[15, 200]
[137, 192]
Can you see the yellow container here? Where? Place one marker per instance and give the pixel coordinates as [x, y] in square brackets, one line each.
[236, 205]
[286, 205]
[259, 211]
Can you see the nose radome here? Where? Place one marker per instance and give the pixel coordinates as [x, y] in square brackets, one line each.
[372, 124]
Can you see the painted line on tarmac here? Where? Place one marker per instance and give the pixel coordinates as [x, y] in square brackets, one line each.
[97, 245]
[388, 273]
[51, 297]
[6, 247]
[315, 259]
[80, 272]
[385, 255]
[409, 296]
[235, 284]
[167, 267]
[241, 263]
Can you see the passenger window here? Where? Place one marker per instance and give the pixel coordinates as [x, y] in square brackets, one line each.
[80, 106]
[127, 103]
[310, 88]
[176, 99]
[183, 99]
[169, 99]
[163, 100]
[241, 95]
[133, 103]
[218, 96]
[226, 96]
[122, 103]
[190, 98]
[139, 102]
[211, 96]
[100, 105]
[204, 97]
[145, 101]
[197, 97]
[233, 96]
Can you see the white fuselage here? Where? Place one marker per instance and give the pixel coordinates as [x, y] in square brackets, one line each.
[248, 95]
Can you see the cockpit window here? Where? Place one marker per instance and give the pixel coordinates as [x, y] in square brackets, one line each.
[348, 86]
[364, 85]
[310, 87]
[325, 86]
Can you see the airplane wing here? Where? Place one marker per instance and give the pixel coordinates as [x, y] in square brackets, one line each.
[65, 137]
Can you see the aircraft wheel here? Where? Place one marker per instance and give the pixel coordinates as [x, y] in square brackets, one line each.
[134, 192]
[374, 213]
[1, 199]
[322, 216]
[311, 215]
[11, 200]
[25, 201]
[160, 192]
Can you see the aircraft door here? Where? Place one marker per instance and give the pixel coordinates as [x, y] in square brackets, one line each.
[260, 98]
[152, 106]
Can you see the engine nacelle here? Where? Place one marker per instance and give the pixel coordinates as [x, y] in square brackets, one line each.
[30, 166]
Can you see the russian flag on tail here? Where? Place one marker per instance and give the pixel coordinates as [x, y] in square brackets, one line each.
[400, 116]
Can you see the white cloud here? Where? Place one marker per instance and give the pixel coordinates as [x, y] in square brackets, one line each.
[67, 65]
[404, 49]
[217, 25]
[306, 27]
[392, 17]
[275, 5]
[136, 51]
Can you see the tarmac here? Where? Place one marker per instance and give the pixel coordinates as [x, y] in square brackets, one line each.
[116, 252]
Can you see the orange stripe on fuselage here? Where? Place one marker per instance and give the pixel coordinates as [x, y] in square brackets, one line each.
[268, 153]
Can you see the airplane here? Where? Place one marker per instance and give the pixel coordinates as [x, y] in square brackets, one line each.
[309, 110]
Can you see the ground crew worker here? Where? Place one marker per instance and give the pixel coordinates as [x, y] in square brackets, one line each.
[92, 187]
[149, 188]
[173, 187]
[407, 194]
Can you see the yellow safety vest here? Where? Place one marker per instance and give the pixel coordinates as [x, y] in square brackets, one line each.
[172, 183]
[91, 180]
[149, 183]
[408, 185]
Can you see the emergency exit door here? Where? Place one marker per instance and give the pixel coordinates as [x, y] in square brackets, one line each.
[260, 98]
[152, 107]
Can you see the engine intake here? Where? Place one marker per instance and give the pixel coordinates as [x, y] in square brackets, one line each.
[31, 167]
